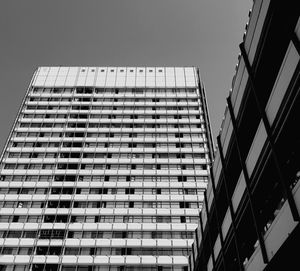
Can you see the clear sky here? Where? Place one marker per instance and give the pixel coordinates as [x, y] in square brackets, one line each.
[203, 33]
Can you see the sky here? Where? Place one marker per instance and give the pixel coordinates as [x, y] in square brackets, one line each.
[202, 33]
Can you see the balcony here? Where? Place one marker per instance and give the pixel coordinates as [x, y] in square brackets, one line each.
[277, 234]
[282, 82]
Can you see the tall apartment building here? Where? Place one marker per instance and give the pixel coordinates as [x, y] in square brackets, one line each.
[105, 169]
[251, 217]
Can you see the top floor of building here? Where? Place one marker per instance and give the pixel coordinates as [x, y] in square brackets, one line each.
[109, 77]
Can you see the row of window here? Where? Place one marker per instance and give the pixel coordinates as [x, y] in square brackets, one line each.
[49, 234]
[100, 166]
[96, 219]
[105, 138]
[79, 98]
[101, 178]
[95, 251]
[108, 125]
[109, 108]
[169, 117]
[90, 90]
[143, 105]
[97, 145]
[102, 191]
[113, 101]
[100, 204]
[107, 155]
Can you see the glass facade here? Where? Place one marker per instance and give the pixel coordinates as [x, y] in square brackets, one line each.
[250, 219]
[104, 169]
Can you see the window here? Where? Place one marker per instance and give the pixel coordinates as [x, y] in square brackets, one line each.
[129, 191]
[72, 251]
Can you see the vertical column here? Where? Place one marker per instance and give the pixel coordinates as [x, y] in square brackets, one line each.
[218, 217]
[208, 230]
[229, 202]
[253, 89]
[202, 234]
[206, 117]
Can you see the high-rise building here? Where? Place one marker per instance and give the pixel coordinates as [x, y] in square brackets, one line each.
[251, 217]
[104, 169]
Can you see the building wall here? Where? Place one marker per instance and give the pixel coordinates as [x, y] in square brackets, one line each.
[104, 169]
[250, 220]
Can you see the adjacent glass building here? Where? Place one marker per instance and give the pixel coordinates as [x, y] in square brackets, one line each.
[104, 169]
[251, 218]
